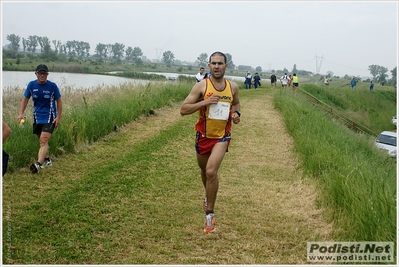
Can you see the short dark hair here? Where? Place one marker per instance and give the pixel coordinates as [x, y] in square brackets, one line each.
[218, 53]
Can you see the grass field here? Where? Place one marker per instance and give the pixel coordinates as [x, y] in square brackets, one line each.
[135, 195]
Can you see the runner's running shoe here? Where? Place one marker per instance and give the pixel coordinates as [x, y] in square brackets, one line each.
[35, 167]
[209, 223]
[46, 163]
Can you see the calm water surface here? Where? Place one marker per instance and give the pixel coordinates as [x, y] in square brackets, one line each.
[74, 80]
[11, 79]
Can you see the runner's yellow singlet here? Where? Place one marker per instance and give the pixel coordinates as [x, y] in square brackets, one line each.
[215, 120]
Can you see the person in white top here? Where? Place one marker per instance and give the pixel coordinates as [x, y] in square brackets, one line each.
[200, 75]
[284, 80]
[248, 80]
[326, 80]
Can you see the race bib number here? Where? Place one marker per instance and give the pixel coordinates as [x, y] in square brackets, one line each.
[220, 111]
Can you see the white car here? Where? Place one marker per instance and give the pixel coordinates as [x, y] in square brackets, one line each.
[387, 140]
[394, 120]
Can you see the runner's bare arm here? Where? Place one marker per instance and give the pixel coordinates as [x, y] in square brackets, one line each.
[194, 101]
[236, 99]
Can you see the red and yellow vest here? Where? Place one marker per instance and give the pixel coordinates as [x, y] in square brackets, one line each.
[216, 128]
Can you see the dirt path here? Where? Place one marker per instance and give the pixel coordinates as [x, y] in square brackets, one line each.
[265, 210]
[262, 152]
[259, 183]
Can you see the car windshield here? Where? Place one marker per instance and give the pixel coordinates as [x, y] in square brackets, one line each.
[386, 139]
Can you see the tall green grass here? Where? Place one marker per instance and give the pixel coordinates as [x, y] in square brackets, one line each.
[373, 109]
[357, 181]
[87, 116]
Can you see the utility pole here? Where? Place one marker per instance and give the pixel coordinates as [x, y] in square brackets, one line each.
[318, 64]
[158, 54]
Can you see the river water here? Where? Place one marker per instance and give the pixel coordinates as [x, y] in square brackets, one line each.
[11, 79]
[74, 80]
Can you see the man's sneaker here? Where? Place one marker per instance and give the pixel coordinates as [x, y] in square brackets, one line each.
[205, 204]
[209, 223]
[46, 163]
[35, 167]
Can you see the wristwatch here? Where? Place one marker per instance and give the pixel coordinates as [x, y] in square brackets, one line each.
[238, 113]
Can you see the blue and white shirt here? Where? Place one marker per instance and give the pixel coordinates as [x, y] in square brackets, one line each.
[43, 96]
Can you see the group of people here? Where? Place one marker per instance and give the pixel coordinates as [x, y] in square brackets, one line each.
[249, 80]
[286, 81]
[201, 75]
[354, 82]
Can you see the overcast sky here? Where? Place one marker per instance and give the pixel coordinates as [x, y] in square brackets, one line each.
[342, 37]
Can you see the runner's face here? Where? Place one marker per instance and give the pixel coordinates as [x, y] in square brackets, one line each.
[41, 77]
[217, 66]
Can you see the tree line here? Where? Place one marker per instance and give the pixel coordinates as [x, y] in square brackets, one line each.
[119, 51]
[82, 49]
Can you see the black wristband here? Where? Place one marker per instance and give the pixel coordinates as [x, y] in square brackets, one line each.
[238, 113]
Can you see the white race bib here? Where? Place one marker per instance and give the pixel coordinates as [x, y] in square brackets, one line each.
[219, 111]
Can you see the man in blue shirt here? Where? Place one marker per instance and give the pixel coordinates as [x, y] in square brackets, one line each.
[46, 114]
[256, 80]
[353, 83]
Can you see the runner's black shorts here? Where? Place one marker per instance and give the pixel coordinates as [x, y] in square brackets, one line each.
[39, 128]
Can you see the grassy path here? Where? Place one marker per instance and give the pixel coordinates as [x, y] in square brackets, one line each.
[135, 198]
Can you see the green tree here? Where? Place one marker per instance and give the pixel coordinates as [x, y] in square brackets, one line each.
[47, 52]
[202, 60]
[137, 53]
[129, 53]
[168, 57]
[138, 62]
[394, 75]
[14, 41]
[33, 42]
[101, 50]
[57, 46]
[71, 48]
[374, 71]
[24, 44]
[258, 69]
[230, 61]
[118, 50]
[43, 41]
[382, 75]
[379, 73]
